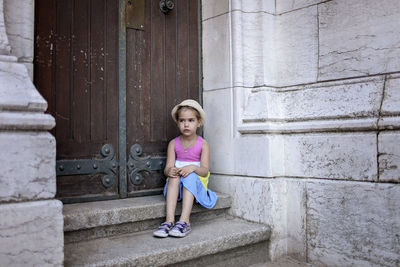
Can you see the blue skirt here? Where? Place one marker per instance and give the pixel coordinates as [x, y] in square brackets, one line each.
[192, 182]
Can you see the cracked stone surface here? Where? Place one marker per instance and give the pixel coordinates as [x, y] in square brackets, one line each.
[353, 224]
[28, 160]
[19, 16]
[4, 44]
[350, 156]
[391, 100]
[368, 43]
[31, 234]
[143, 249]
[16, 89]
[389, 156]
[325, 100]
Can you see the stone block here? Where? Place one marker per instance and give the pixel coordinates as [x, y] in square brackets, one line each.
[25, 121]
[218, 129]
[391, 99]
[213, 8]
[254, 5]
[283, 6]
[216, 53]
[253, 49]
[350, 156]
[28, 166]
[344, 99]
[251, 197]
[262, 105]
[4, 44]
[296, 47]
[296, 198]
[353, 223]
[389, 156]
[255, 150]
[29, 67]
[358, 38]
[259, 155]
[31, 234]
[274, 51]
[279, 203]
[19, 19]
[16, 89]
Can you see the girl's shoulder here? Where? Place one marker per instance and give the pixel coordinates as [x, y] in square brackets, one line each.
[172, 143]
[204, 143]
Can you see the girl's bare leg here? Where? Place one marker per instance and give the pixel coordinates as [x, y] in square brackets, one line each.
[187, 204]
[172, 198]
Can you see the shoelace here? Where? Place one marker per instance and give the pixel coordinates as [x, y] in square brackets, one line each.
[180, 226]
[164, 226]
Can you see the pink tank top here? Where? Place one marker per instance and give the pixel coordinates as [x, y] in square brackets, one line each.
[188, 154]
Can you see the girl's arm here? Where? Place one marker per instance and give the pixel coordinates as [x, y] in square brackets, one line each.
[170, 170]
[204, 163]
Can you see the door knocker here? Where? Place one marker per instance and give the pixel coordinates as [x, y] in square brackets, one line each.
[166, 6]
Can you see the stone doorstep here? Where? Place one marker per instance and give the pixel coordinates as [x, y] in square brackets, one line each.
[206, 240]
[114, 212]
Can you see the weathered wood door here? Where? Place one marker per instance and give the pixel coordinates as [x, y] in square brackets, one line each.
[111, 87]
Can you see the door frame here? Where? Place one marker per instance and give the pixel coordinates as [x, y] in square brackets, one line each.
[122, 159]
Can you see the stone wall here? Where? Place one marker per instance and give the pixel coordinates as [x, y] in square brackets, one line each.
[306, 139]
[31, 221]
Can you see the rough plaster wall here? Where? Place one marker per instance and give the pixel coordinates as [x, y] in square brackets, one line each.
[315, 108]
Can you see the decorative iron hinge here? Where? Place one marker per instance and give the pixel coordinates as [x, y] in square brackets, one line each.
[107, 165]
[138, 164]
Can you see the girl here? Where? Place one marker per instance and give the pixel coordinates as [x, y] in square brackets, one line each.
[187, 169]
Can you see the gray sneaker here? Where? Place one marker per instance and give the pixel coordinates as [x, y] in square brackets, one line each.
[180, 229]
[163, 229]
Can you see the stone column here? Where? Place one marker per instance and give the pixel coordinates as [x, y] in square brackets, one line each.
[4, 46]
[31, 222]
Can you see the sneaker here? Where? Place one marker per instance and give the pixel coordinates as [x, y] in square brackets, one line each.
[163, 229]
[180, 229]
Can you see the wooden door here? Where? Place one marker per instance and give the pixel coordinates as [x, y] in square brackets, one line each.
[99, 116]
[162, 70]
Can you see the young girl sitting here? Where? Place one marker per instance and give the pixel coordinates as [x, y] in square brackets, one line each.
[187, 169]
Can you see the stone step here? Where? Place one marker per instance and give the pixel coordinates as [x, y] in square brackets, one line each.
[83, 221]
[217, 242]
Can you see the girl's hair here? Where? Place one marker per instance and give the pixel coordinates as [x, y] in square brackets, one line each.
[187, 107]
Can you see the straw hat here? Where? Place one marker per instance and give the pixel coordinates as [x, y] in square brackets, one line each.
[189, 103]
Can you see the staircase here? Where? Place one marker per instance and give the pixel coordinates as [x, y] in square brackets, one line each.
[119, 233]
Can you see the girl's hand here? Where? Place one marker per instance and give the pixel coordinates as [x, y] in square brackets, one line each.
[185, 171]
[173, 172]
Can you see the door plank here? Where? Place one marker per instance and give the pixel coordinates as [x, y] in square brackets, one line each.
[193, 50]
[111, 71]
[44, 49]
[63, 72]
[97, 70]
[158, 75]
[81, 74]
[170, 70]
[182, 74]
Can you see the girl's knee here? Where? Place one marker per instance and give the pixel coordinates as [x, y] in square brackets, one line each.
[173, 182]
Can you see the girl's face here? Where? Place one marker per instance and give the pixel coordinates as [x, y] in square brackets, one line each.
[188, 122]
